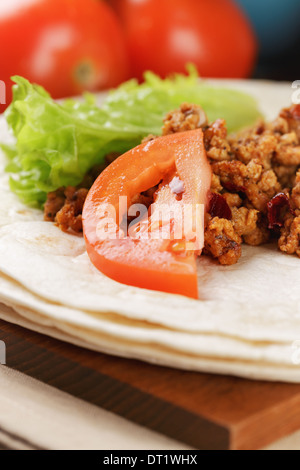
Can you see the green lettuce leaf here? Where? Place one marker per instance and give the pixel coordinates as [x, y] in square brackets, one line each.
[57, 143]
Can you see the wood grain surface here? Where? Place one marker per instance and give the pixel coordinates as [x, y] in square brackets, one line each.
[202, 410]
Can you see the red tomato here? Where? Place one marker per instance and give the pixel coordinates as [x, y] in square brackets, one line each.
[67, 46]
[158, 263]
[164, 35]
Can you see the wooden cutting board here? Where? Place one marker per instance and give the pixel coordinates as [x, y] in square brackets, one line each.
[202, 410]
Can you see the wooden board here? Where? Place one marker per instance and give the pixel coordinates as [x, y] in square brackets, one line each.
[202, 410]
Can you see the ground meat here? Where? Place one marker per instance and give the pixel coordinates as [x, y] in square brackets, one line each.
[276, 143]
[258, 185]
[259, 235]
[268, 184]
[288, 150]
[215, 141]
[64, 207]
[244, 220]
[249, 169]
[295, 197]
[233, 200]
[235, 174]
[287, 129]
[289, 242]
[216, 183]
[257, 143]
[292, 118]
[285, 175]
[222, 242]
[55, 201]
[188, 117]
[279, 126]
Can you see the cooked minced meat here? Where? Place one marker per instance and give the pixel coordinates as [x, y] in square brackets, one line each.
[64, 207]
[289, 241]
[222, 241]
[186, 118]
[249, 169]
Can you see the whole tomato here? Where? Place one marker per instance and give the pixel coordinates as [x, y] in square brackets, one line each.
[67, 46]
[163, 35]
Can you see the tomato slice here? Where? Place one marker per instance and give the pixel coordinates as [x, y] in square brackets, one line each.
[178, 165]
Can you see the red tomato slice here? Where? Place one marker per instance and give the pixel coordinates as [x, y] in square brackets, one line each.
[157, 264]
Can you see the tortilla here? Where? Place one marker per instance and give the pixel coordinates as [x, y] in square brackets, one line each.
[244, 324]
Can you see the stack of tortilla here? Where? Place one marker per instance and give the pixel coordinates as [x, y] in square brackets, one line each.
[246, 322]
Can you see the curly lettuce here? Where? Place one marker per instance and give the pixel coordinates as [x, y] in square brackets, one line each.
[58, 143]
